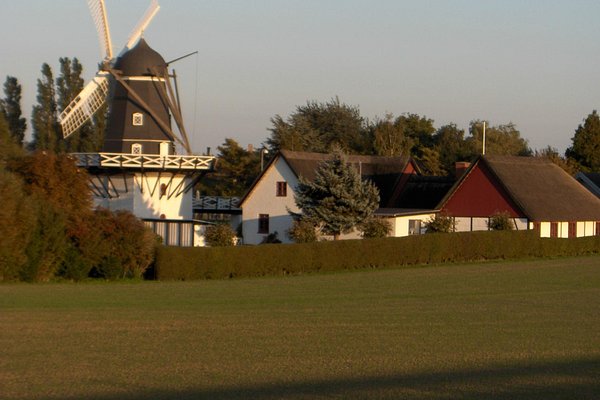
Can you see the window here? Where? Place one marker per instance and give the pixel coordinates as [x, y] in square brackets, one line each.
[263, 223]
[414, 227]
[137, 119]
[281, 189]
[136, 148]
[553, 229]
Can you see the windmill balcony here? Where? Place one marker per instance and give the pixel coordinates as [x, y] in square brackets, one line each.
[144, 161]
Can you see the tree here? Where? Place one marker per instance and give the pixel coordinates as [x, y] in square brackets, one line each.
[11, 108]
[236, 169]
[499, 140]
[319, 127]
[568, 164]
[337, 199]
[419, 129]
[449, 142]
[303, 231]
[44, 119]
[88, 137]
[585, 149]
[389, 138]
[374, 228]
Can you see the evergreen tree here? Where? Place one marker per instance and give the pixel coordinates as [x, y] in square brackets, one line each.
[586, 144]
[337, 200]
[11, 108]
[44, 119]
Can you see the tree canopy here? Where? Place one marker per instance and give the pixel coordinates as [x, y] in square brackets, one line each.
[585, 149]
[11, 109]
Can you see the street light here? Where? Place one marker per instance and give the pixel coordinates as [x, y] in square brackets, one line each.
[263, 151]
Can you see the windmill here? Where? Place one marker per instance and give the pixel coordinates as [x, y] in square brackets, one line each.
[137, 168]
[138, 86]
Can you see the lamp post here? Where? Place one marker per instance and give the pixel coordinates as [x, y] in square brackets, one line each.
[263, 151]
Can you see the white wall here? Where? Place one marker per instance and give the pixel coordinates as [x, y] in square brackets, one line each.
[152, 205]
[263, 200]
[400, 224]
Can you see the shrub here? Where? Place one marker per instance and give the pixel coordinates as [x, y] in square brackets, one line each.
[272, 238]
[441, 223]
[219, 235]
[303, 231]
[374, 228]
[501, 221]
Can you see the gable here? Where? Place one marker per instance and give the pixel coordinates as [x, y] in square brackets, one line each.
[480, 194]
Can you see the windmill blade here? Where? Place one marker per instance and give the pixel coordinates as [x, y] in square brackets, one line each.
[83, 107]
[142, 24]
[98, 11]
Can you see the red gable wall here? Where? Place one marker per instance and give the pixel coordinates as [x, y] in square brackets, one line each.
[480, 195]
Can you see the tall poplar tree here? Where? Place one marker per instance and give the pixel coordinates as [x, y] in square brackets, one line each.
[11, 108]
[337, 199]
[44, 119]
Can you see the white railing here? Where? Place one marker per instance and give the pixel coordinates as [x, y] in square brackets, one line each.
[144, 161]
[215, 203]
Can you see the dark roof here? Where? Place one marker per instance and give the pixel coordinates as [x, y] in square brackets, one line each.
[594, 177]
[138, 60]
[541, 189]
[424, 192]
[384, 172]
[590, 180]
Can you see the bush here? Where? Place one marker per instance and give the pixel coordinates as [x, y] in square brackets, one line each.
[271, 238]
[303, 231]
[440, 224]
[374, 228]
[174, 263]
[501, 221]
[219, 235]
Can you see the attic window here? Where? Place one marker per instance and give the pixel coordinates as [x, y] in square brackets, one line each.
[137, 119]
[136, 148]
[281, 189]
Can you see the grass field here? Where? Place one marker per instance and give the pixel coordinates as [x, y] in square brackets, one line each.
[510, 330]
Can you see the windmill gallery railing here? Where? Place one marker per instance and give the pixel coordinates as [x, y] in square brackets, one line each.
[144, 161]
[215, 203]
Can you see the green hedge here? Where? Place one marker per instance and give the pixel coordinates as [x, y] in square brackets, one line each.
[174, 263]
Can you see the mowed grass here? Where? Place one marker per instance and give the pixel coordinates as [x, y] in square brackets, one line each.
[510, 330]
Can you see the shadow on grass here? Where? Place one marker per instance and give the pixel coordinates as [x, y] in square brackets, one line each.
[576, 379]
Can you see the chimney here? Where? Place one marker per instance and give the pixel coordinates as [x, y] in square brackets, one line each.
[460, 167]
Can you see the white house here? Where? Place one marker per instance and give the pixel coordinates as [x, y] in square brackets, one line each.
[267, 205]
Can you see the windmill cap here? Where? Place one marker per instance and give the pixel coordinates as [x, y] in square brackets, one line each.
[138, 60]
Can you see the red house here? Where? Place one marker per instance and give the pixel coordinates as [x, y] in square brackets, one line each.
[535, 192]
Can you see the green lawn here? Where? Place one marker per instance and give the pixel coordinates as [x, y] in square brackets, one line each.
[506, 330]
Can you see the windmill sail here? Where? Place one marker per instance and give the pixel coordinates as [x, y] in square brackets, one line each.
[98, 11]
[81, 109]
[142, 24]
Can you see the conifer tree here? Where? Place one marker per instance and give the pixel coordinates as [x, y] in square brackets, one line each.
[44, 119]
[11, 108]
[337, 199]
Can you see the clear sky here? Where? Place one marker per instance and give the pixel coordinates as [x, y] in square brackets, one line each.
[535, 63]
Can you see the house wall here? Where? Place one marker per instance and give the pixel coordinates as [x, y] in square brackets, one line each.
[149, 203]
[263, 200]
[400, 225]
[468, 224]
[480, 196]
[584, 228]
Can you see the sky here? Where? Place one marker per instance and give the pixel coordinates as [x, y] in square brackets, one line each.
[534, 63]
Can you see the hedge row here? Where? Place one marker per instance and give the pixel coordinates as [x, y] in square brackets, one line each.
[174, 263]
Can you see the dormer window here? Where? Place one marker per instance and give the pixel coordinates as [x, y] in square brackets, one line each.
[137, 119]
[136, 148]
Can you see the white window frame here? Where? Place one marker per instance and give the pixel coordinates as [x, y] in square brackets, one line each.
[137, 119]
[137, 148]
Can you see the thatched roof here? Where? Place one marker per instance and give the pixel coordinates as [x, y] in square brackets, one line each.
[540, 188]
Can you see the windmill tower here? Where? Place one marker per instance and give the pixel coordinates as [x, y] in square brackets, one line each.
[138, 169]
